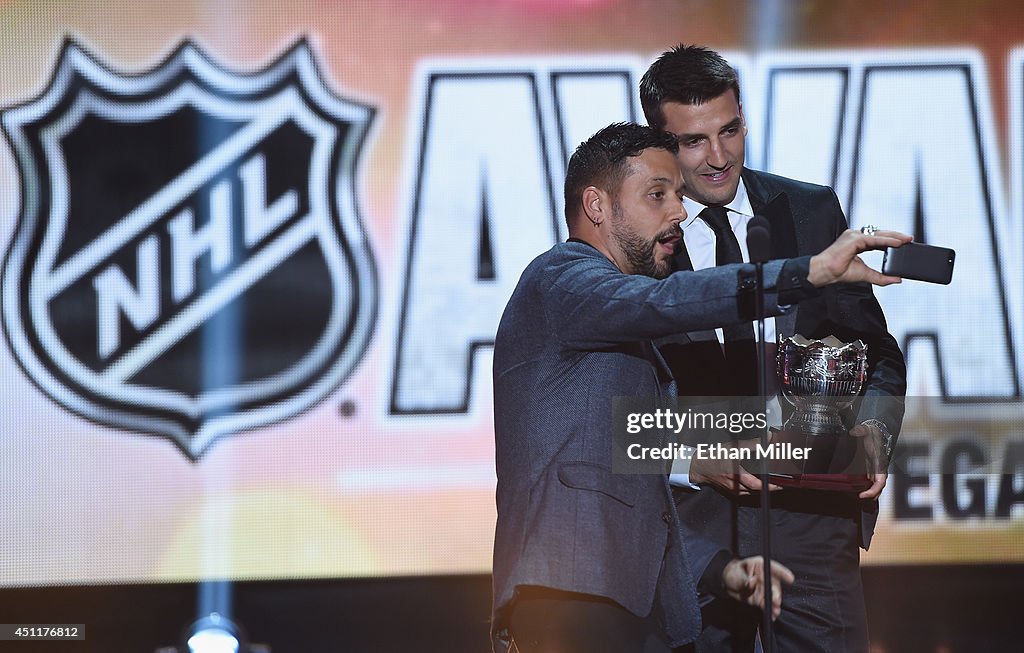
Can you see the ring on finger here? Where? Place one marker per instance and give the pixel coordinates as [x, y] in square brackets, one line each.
[868, 230]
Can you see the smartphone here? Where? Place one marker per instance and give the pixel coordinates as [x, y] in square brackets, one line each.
[920, 262]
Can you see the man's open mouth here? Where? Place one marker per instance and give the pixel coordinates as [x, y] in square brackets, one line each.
[670, 242]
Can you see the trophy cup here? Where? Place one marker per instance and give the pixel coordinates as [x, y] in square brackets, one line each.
[820, 378]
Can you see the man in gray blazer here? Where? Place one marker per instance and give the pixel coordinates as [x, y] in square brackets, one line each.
[584, 559]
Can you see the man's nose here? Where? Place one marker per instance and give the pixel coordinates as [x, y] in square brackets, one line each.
[681, 216]
[717, 157]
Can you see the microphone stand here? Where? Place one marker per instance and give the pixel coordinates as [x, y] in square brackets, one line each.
[758, 247]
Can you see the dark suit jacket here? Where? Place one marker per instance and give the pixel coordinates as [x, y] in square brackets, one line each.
[575, 334]
[805, 219]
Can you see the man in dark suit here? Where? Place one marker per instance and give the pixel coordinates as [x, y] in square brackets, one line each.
[585, 559]
[693, 94]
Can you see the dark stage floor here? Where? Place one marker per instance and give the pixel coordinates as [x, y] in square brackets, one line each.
[911, 609]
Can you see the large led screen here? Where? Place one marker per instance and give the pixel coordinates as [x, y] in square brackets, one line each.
[255, 254]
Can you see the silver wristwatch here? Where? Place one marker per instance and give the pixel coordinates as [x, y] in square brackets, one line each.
[886, 435]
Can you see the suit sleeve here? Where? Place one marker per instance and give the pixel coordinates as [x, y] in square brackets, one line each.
[706, 560]
[592, 304]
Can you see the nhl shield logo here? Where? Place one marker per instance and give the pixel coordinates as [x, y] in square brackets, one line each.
[189, 261]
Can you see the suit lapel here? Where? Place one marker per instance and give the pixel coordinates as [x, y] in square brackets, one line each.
[773, 205]
[661, 367]
[683, 353]
[681, 261]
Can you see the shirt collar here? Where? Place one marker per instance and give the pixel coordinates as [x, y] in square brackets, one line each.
[740, 204]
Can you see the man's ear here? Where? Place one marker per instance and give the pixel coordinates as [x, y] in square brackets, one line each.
[743, 118]
[595, 204]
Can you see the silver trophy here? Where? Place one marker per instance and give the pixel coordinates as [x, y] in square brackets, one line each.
[820, 378]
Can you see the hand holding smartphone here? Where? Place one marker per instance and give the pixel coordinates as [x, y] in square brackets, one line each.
[920, 262]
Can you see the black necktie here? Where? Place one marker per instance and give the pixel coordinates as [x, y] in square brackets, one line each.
[740, 353]
[727, 248]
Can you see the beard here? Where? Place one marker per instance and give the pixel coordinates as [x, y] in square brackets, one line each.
[638, 250]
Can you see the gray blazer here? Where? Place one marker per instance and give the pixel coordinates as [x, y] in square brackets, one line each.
[576, 333]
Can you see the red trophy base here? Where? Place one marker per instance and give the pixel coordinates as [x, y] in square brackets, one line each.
[835, 463]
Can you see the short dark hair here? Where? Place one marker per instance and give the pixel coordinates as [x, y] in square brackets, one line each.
[688, 74]
[601, 160]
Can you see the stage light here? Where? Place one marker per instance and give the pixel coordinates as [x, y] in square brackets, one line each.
[214, 634]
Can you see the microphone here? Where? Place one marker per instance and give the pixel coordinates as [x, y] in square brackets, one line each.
[759, 248]
[758, 239]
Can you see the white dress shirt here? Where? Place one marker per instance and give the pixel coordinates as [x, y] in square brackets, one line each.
[700, 245]
[700, 241]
